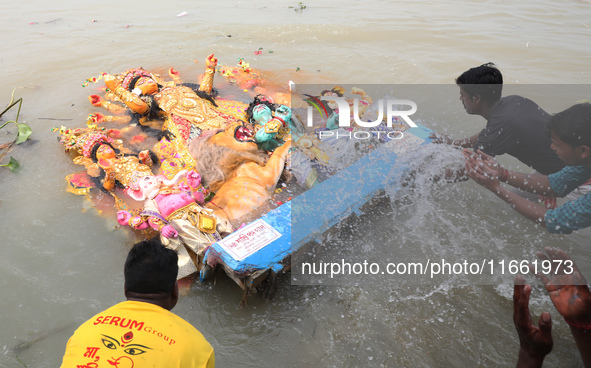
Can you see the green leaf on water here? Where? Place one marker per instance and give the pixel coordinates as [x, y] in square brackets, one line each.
[13, 165]
[24, 132]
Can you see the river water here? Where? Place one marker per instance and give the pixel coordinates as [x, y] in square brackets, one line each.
[62, 262]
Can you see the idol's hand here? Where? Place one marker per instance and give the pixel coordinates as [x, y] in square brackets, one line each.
[95, 100]
[111, 82]
[193, 179]
[287, 139]
[123, 217]
[358, 91]
[106, 164]
[145, 157]
[173, 73]
[169, 232]
[211, 61]
[283, 112]
[199, 197]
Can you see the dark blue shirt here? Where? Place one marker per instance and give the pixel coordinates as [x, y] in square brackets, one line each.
[517, 126]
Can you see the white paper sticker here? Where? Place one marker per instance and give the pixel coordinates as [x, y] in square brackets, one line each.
[250, 239]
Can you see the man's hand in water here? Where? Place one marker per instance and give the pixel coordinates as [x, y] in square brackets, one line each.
[566, 286]
[570, 294]
[482, 158]
[483, 169]
[535, 342]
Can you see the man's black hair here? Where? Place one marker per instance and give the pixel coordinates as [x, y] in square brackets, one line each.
[151, 268]
[485, 80]
[573, 125]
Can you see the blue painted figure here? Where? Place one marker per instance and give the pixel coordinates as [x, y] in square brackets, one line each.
[272, 122]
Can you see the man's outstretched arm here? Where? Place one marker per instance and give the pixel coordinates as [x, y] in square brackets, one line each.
[487, 177]
[533, 183]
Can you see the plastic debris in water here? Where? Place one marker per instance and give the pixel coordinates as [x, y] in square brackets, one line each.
[182, 14]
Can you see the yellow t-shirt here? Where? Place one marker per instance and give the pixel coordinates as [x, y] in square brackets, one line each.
[137, 335]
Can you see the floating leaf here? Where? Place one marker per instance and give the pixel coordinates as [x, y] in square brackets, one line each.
[24, 132]
[298, 69]
[13, 165]
[300, 9]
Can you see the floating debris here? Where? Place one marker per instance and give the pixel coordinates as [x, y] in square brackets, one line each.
[23, 133]
[299, 8]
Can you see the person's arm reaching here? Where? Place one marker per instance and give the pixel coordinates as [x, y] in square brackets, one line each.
[488, 178]
[571, 296]
[534, 342]
[533, 183]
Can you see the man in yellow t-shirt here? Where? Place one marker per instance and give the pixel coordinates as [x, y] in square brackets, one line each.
[141, 332]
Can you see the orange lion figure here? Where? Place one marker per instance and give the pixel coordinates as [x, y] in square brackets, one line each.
[175, 210]
[242, 177]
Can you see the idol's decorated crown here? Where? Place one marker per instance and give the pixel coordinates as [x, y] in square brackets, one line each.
[132, 75]
[88, 142]
[126, 77]
[82, 140]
